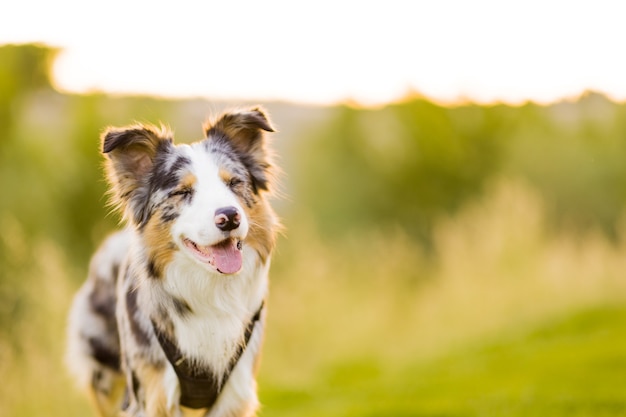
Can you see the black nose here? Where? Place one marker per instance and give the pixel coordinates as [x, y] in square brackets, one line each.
[227, 218]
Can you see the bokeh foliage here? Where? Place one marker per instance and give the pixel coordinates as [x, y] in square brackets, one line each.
[409, 163]
[427, 246]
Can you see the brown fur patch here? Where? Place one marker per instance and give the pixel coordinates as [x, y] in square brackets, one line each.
[107, 404]
[225, 175]
[156, 398]
[245, 126]
[188, 181]
[157, 239]
[263, 227]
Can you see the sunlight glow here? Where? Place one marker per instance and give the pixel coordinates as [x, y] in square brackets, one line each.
[329, 52]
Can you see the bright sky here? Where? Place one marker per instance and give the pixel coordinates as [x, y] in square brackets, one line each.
[329, 51]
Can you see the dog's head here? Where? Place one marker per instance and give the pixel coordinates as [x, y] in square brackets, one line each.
[205, 199]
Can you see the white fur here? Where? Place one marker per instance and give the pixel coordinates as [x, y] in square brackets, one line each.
[171, 387]
[78, 353]
[197, 220]
[222, 305]
[78, 357]
[241, 386]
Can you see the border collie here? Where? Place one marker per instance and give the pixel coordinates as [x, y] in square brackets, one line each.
[171, 318]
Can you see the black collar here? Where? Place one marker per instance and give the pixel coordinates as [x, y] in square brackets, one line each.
[199, 388]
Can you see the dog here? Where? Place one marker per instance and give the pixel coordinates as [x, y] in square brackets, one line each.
[170, 320]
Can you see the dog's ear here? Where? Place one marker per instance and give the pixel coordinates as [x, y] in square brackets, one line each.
[245, 132]
[130, 155]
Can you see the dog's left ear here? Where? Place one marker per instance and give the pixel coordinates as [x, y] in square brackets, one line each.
[245, 131]
[130, 154]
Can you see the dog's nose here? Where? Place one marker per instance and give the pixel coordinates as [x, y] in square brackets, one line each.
[227, 218]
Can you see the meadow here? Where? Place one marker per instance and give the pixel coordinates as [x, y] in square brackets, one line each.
[437, 261]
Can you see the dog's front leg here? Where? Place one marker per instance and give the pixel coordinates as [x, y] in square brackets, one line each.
[171, 388]
[149, 397]
[156, 395]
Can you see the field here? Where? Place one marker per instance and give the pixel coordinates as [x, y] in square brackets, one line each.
[538, 327]
[462, 261]
[569, 367]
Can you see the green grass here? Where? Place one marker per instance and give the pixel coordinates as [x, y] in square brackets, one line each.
[575, 366]
[502, 318]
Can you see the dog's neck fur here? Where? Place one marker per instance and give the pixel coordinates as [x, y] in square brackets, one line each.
[217, 308]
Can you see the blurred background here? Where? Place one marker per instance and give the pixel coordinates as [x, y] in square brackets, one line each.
[453, 192]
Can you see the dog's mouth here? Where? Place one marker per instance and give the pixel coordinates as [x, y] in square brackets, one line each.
[224, 256]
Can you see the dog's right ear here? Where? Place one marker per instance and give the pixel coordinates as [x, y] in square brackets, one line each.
[244, 131]
[130, 155]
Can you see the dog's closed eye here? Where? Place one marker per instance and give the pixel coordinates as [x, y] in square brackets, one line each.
[183, 192]
[234, 182]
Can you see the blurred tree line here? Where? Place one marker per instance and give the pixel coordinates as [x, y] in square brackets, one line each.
[409, 163]
[400, 167]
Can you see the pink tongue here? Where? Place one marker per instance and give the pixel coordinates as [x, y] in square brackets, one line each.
[227, 258]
